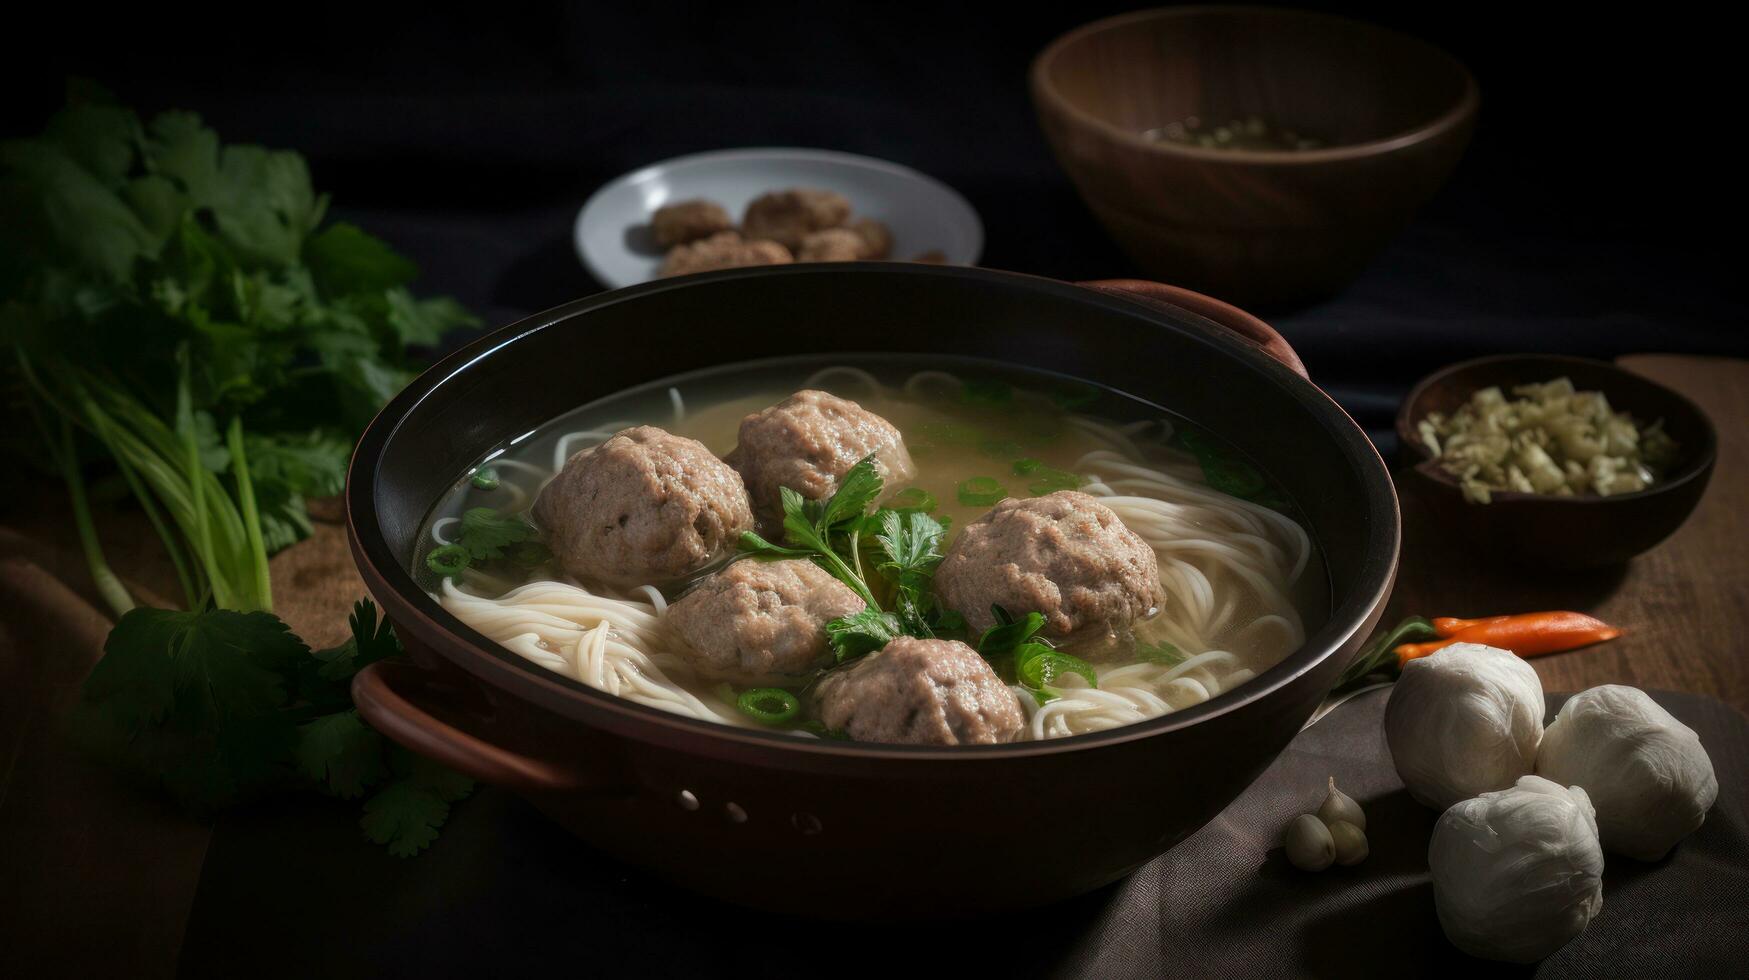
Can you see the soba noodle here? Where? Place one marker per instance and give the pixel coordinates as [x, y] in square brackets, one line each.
[1228, 568]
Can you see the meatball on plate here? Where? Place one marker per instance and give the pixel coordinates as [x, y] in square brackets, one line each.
[615, 237]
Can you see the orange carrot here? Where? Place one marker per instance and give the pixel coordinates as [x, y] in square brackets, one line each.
[1527, 634]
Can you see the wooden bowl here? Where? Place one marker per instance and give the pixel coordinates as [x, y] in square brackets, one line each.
[1559, 532]
[1267, 228]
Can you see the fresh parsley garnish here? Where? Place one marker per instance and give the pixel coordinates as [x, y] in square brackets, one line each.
[221, 706]
[1015, 647]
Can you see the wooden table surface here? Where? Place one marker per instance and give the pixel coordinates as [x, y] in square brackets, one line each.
[1684, 606]
[97, 878]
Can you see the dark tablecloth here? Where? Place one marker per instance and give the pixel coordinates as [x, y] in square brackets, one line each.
[291, 889]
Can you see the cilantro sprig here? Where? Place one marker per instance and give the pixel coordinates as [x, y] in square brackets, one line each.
[178, 318]
[184, 310]
[220, 706]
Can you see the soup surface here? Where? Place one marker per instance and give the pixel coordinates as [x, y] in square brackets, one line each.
[1239, 579]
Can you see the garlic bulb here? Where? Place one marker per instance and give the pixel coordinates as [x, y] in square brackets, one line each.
[1462, 721]
[1308, 843]
[1517, 873]
[1339, 806]
[1646, 772]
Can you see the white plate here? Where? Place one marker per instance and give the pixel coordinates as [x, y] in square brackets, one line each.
[612, 230]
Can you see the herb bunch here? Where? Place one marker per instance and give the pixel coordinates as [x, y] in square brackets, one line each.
[179, 321]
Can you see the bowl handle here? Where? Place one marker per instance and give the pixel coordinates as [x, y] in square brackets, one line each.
[393, 697]
[1263, 336]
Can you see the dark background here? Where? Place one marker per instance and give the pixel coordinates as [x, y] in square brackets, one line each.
[1598, 210]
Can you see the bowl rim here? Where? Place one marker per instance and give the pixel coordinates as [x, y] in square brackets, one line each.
[974, 225]
[405, 603]
[1695, 467]
[1458, 115]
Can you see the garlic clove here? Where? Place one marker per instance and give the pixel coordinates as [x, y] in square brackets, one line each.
[1339, 806]
[1308, 843]
[1350, 842]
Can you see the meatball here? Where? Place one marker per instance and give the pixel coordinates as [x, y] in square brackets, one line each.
[920, 692]
[686, 221]
[809, 440]
[724, 250]
[877, 240]
[831, 245]
[789, 216]
[644, 507]
[1064, 555]
[756, 618]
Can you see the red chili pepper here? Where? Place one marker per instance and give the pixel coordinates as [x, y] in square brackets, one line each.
[1527, 634]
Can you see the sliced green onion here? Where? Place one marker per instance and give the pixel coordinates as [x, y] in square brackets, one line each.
[768, 705]
[1037, 665]
[486, 479]
[448, 560]
[980, 491]
[914, 498]
[1160, 653]
[1049, 479]
[1024, 466]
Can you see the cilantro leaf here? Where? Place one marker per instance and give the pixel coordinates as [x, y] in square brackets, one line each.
[406, 814]
[1008, 633]
[340, 754]
[861, 633]
[911, 541]
[859, 487]
[344, 258]
[193, 701]
[485, 533]
[423, 322]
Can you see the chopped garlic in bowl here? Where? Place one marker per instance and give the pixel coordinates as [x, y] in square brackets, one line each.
[1550, 439]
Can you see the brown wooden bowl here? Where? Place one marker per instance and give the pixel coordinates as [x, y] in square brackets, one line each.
[1560, 532]
[1262, 227]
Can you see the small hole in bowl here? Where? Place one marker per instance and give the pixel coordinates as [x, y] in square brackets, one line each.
[806, 823]
[735, 814]
[686, 800]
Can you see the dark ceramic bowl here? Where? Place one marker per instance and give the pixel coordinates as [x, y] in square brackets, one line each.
[844, 829]
[1265, 227]
[1560, 532]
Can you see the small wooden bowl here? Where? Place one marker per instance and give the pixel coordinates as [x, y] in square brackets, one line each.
[1560, 532]
[1267, 228]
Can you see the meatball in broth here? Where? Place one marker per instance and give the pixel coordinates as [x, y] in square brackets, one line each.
[807, 442]
[1064, 555]
[645, 507]
[920, 692]
[755, 619]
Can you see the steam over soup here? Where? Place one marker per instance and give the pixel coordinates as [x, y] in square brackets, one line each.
[881, 551]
